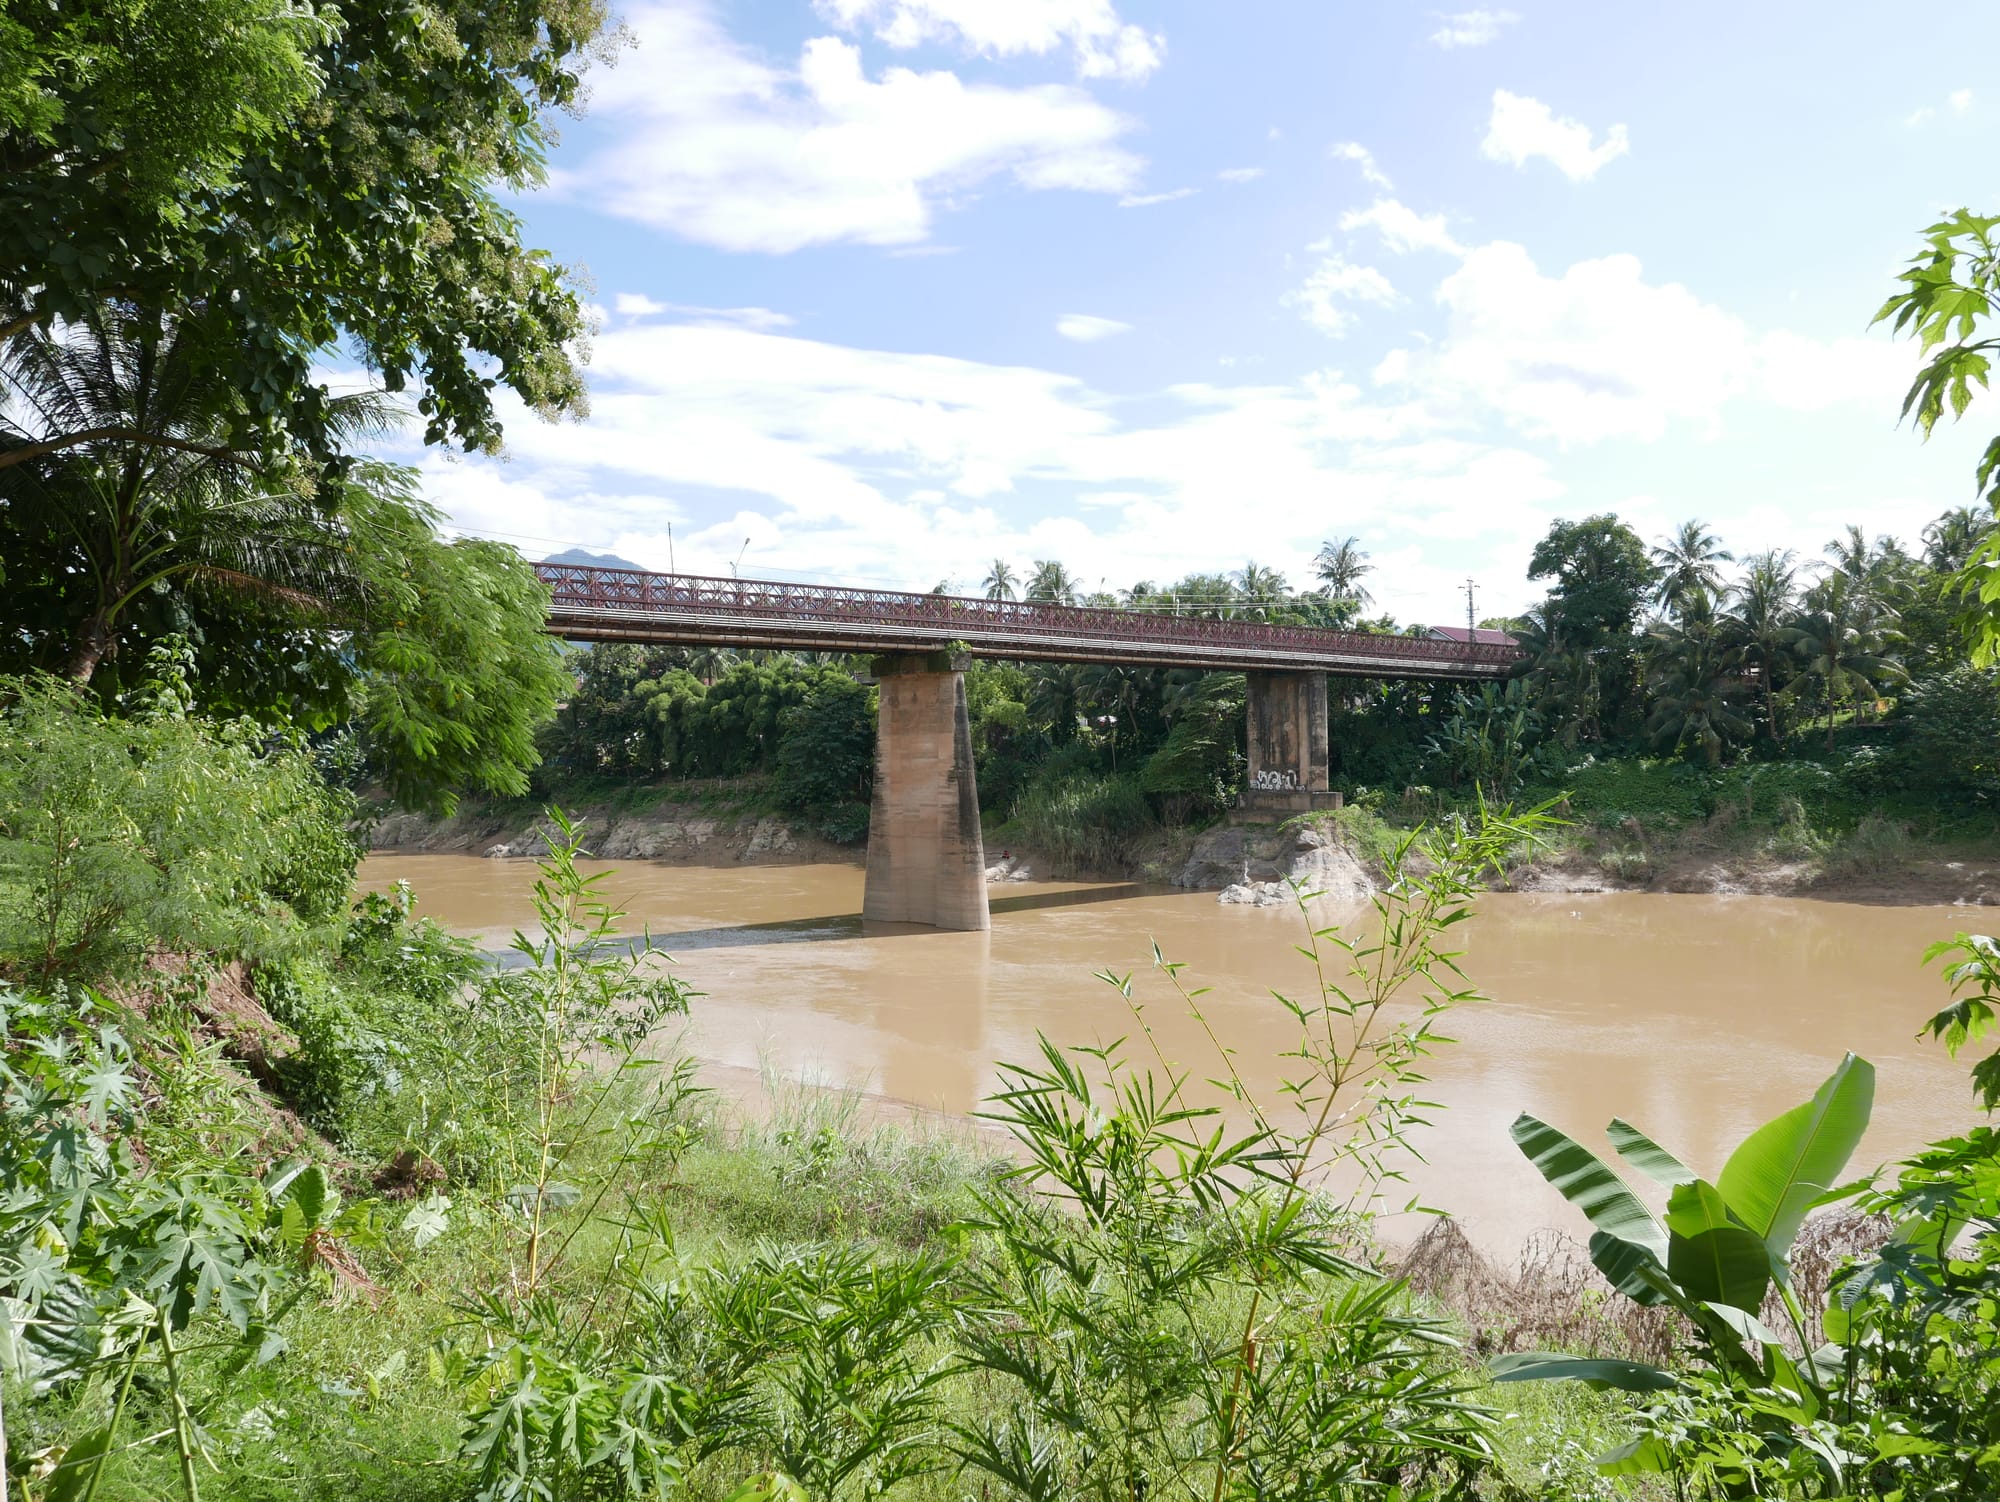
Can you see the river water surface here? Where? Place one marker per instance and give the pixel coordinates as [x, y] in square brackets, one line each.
[1696, 1018]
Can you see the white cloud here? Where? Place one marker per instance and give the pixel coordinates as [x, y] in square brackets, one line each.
[1402, 228]
[1362, 157]
[1102, 45]
[1521, 129]
[636, 305]
[1960, 101]
[1600, 353]
[819, 451]
[1146, 200]
[1085, 328]
[1332, 285]
[1472, 28]
[718, 146]
[1240, 174]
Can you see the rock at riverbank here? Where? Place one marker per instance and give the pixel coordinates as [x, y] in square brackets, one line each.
[1257, 864]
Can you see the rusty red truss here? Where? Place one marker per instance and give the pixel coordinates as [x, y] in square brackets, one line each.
[615, 604]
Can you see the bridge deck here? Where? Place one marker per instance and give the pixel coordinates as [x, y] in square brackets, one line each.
[610, 604]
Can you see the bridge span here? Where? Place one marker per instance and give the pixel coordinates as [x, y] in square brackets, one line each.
[615, 604]
[926, 853]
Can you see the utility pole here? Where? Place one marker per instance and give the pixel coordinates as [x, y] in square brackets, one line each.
[1470, 615]
[672, 568]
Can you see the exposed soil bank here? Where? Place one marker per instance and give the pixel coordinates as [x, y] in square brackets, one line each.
[1255, 862]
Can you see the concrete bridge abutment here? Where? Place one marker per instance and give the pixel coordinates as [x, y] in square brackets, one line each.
[1289, 750]
[926, 853]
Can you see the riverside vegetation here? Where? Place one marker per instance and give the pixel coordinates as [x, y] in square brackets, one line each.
[304, 1200]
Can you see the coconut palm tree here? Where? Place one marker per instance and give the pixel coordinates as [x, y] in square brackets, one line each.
[1844, 636]
[1262, 590]
[1000, 582]
[131, 467]
[1691, 559]
[1693, 674]
[1341, 566]
[1950, 540]
[1761, 617]
[1049, 583]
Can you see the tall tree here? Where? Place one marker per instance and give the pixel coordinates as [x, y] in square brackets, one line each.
[1951, 540]
[1689, 560]
[1586, 655]
[157, 493]
[1843, 637]
[1693, 678]
[1050, 583]
[1263, 591]
[1602, 576]
[1341, 566]
[1000, 583]
[1761, 616]
[285, 176]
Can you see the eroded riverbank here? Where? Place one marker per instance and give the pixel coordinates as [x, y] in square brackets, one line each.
[1695, 1016]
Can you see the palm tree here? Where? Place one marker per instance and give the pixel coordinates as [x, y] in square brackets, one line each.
[1050, 583]
[1691, 559]
[1341, 566]
[1000, 583]
[1949, 541]
[1263, 591]
[1843, 636]
[1761, 618]
[122, 454]
[1692, 674]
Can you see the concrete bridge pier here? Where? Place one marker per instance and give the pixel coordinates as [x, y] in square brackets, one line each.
[1288, 771]
[926, 854]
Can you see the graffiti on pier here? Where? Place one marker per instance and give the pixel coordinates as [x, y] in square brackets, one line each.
[1268, 781]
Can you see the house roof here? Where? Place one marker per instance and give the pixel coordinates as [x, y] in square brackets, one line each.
[1484, 636]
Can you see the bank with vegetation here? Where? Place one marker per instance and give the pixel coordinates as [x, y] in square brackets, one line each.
[307, 1200]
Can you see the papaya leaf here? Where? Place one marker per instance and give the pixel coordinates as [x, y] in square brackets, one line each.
[1786, 1164]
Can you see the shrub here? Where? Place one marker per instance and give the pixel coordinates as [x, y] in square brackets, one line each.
[160, 831]
[1084, 821]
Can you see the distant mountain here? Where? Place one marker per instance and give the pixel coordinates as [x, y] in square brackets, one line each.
[582, 559]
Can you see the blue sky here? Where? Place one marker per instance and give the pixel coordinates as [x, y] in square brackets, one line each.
[891, 288]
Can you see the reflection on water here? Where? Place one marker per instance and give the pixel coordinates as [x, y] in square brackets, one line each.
[1695, 1017]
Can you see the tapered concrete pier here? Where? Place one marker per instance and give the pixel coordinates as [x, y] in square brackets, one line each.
[926, 854]
[1288, 744]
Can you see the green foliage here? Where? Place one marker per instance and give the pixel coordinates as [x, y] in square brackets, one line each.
[1489, 737]
[118, 836]
[1950, 738]
[455, 672]
[1974, 978]
[287, 178]
[826, 757]
[1900, 1402]
[1083, 820]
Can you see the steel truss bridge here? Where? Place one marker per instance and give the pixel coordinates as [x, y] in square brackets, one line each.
[629, 605]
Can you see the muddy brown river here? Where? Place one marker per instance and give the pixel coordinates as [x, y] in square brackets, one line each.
[1697, 1018]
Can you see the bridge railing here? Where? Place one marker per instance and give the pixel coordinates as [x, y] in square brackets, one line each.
[587, 590]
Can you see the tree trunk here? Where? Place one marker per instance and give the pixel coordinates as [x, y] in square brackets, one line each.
[93, 644]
